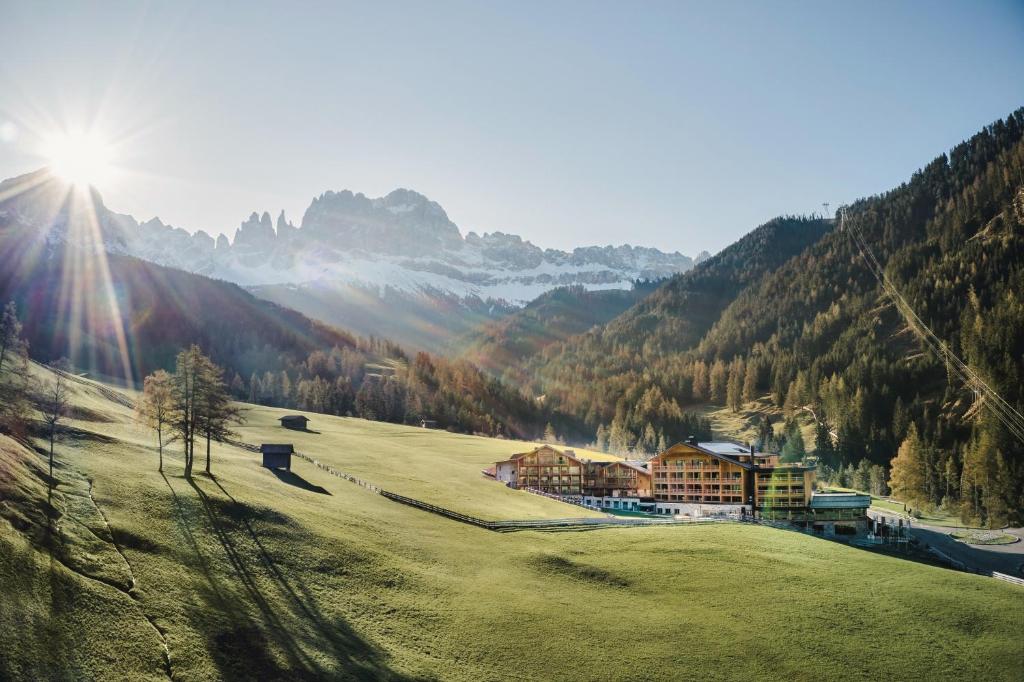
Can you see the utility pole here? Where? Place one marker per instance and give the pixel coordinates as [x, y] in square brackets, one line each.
[826, 205]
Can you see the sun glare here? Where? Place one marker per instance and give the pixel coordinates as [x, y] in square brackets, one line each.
[82, 159]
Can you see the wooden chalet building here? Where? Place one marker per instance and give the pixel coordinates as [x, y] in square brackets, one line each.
[688, 477]
[545, 469]
[616, 479]
[616, 484]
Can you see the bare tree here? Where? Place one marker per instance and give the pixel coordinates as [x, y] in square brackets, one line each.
[54, 407]
[156, 408]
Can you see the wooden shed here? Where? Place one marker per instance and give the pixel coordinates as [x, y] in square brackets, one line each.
[277, 456]
[295, 422]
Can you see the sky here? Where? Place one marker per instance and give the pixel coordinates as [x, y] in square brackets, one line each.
[679, 125]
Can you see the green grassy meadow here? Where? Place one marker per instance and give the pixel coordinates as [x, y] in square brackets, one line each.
[248, 575]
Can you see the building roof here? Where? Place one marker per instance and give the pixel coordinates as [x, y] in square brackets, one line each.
[718, 451]
[840, 501]
[623, 462]
[277, 448]
[293, 418]
[725, 448]
[565, 453]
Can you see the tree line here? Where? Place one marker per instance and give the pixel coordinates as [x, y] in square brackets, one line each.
[802, 322]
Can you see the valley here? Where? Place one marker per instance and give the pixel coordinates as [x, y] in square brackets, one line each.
[246, 574]
[474, 342]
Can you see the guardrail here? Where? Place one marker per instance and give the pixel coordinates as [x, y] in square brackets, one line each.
[961, 566]
[1007, 578]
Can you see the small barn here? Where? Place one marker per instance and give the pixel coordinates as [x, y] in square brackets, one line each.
[428, 424]
[295, 422]
[277, 456]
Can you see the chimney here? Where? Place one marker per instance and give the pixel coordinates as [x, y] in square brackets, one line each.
[692, 440]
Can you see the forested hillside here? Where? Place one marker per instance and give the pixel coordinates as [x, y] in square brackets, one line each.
[553, 316]
[630, 380]
[814, 327]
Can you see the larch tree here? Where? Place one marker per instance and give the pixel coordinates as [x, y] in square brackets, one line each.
[156, 408]
[215, 413]
[187, 379]
[907, 478]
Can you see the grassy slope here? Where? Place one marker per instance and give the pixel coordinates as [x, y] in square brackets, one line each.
[742, 425]
[252, 577]
[435, 466]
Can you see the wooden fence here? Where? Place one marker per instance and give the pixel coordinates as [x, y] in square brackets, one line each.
[548, 525]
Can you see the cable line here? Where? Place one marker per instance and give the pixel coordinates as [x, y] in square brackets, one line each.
[1002, 410]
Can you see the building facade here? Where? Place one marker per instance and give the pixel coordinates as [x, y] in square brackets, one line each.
[545, 469]
[726, 478]
[616, 479]
[696, 479]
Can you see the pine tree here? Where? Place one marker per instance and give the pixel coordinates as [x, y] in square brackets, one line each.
[255, 390]
[650, 439]
[238, 387]
[602, 438]
[794, 450]
[862, 476]
[750, 381]
[701, 382]
[15, 406]
[734, 391]
[823, 446]
[877, 481]
[719, 379]
[11, 341]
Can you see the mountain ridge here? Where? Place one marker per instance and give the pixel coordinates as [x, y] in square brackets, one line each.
[393, 266]
[402, 240]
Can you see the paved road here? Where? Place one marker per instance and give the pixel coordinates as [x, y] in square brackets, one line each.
[1007, 559]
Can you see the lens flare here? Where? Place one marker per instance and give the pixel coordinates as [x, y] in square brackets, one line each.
[80, 158]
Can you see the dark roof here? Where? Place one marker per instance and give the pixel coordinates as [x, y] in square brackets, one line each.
[277, 449]
[293, 418]
[840, 501]
[702, 447]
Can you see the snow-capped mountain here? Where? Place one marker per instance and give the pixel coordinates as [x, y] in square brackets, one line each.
[400, 244]
[403, 241]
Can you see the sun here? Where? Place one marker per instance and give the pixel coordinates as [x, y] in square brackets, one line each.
[80, 158]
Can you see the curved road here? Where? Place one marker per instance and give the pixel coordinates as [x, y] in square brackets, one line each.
[1007, 559]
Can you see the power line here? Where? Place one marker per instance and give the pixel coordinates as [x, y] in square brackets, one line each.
[1002, 410]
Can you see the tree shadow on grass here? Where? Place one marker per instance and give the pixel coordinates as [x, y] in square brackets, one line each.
[311, 645]
[294, 479]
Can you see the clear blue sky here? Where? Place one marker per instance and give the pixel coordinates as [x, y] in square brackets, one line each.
[678, 125]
